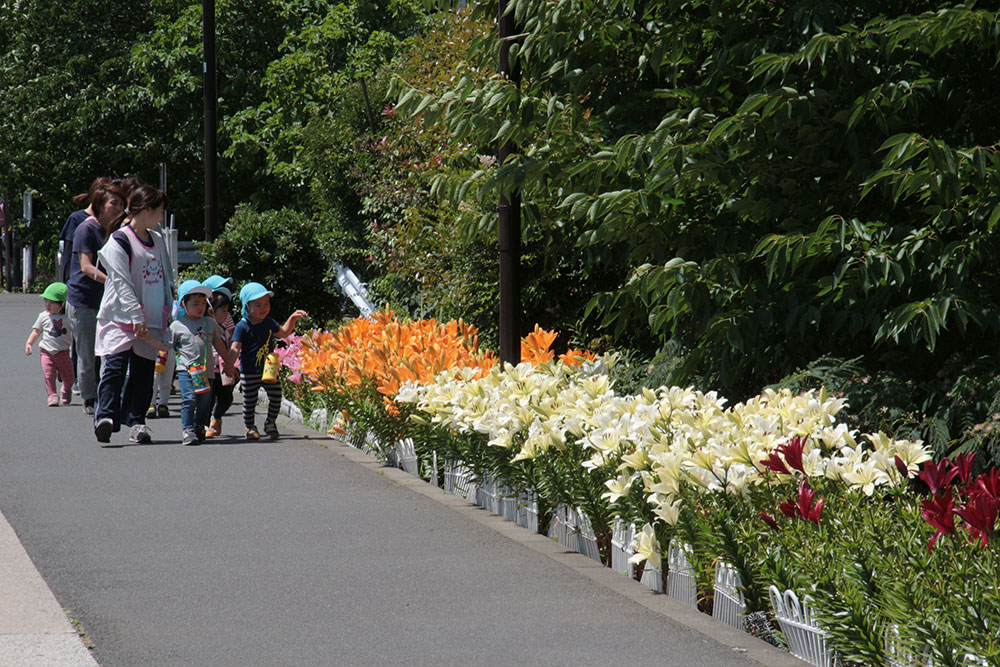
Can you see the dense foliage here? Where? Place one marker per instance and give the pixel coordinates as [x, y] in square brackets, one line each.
[788, 181]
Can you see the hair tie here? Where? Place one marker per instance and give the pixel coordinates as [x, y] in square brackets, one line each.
[128, 211]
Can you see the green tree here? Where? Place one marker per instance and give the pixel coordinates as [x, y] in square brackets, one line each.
[787, 180]
[62, 122]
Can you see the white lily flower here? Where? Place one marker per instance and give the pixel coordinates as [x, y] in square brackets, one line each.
[646, 547]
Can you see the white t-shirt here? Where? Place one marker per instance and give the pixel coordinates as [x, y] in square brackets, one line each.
[57, 332]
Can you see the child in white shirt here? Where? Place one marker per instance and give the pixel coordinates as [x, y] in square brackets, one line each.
[53, 327]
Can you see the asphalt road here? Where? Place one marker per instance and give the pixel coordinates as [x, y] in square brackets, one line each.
[285, 553]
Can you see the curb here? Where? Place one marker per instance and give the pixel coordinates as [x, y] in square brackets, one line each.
[740, 642]
[34, 629]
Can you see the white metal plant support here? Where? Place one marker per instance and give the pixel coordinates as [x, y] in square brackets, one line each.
[652, 577]
[896, 655]
[458, 480]
[406, 455]
[621, 547]
[729, 605]
[507, 501]
[563, 527]
[586, 540]
[486, 495]
[806, 640]
[682, 584]
[527, 512]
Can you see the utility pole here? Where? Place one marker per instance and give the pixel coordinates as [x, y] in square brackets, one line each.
[509, 212]
[211, 121]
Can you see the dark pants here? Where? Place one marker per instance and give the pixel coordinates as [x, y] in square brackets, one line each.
[126, 407]
[223, 396]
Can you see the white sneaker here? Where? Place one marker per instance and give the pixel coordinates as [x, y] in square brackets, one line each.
[141, 434]
[190, 437]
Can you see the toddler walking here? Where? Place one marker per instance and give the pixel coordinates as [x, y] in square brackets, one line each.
[224, 383]
[53, 327]
[253, 340]
[193, 335]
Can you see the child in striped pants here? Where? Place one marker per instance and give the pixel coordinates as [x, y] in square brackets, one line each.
[253, 340]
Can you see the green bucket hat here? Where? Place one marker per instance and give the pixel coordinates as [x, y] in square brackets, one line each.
[55, 292]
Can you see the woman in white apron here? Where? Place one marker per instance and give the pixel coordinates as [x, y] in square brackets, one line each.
[136, 304]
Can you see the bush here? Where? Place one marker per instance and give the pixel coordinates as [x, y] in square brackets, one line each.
[281, 250]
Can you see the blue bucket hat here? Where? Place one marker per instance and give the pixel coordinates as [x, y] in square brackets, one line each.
[190, 287]
[215, 282]
[252, 292]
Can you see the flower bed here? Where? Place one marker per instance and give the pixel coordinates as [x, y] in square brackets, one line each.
[885, 542]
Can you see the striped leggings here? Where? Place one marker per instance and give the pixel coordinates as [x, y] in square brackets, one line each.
[251, 387]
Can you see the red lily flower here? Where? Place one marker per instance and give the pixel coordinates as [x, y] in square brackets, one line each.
[769, 520]
[989, 484]
[938, 476]
[802, 507]
[963, 463]
[775, 463]
[806, 508]
[792, 451]
[980, 515]
[939, 511]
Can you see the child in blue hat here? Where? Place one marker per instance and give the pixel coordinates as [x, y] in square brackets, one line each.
[193, 335]
[253, 340]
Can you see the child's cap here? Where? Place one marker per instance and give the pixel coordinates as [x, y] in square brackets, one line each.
[252, 292]
[215, 282]
[55, 292]
[223, 290]
[189, 287]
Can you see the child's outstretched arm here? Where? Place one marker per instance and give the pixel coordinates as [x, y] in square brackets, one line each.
[289, 325]
[157, 344]
[226, 355]
[32, 338]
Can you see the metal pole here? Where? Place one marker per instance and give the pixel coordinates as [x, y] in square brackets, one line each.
[368, 106]
[211, 122]
[5, 279]
[509, 213]
[163, 188]
[28, 252]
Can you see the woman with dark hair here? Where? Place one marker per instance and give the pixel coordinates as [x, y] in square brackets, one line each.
[74, 220]
[86, 284]
[135, 308]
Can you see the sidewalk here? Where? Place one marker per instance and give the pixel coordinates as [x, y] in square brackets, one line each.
[34, 630]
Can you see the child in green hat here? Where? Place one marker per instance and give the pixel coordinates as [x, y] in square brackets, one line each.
[53, 327]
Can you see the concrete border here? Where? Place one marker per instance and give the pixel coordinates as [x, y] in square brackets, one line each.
[740, 642]
[34, 629]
